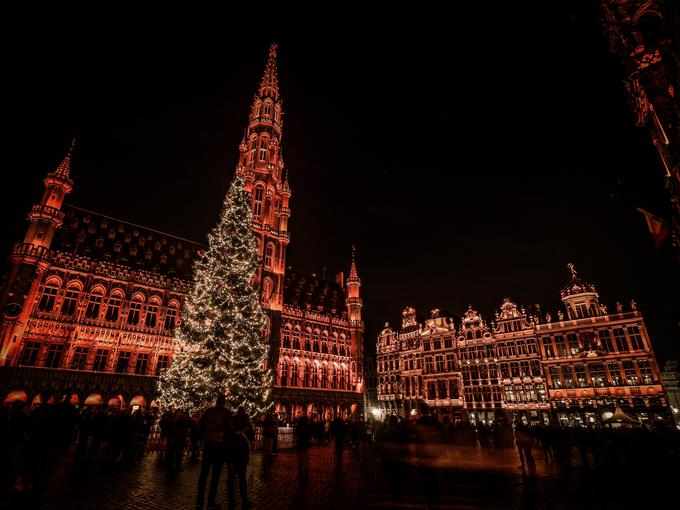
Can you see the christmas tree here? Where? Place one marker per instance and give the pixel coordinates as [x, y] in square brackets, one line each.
[220, 348]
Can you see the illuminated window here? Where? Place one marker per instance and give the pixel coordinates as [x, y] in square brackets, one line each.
[267, 109]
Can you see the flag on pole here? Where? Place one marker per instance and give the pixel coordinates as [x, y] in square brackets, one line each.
[657, 226]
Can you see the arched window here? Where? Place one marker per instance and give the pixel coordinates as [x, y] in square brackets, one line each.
[306, 340]
[294, 373]
[113, 306]
[324, 342]
[171, 316]
[315, 375]
[286, 336]
[94, 304]
[68, 307]
[296, 338]
[315, 342]
[49, 296]
[277, 113]
[266, 290]
[268, 256]
[257, 109]
[151, 313]
[306, 375]
[267, 109]
[333, 376]
[263, 149]
[468, 335]
[324, 376]
[478, 333]
[135, 309]
[284, 373]
[258, 201]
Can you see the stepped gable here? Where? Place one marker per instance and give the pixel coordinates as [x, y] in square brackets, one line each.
[102, 238]
[309, 292]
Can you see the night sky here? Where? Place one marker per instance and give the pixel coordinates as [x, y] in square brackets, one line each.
[469, 155]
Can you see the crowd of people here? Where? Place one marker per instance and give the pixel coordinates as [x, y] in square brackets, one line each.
[115, 438]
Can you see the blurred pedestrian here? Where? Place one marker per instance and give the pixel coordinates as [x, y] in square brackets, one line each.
[214, 427]
[239, 457]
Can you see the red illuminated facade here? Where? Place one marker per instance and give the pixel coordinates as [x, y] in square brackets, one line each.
[572, 370]
[90, 303]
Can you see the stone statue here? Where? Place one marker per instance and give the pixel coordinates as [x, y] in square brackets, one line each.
[619, 307]
[633, 305]
[603, 309]
[548, 318]
[560, 315]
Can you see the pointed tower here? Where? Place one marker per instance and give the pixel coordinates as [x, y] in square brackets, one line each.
[581, 299]
[356, 324]
[261, 165]
[29, 259]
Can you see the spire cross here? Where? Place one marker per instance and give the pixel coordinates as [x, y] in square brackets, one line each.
[273, 48]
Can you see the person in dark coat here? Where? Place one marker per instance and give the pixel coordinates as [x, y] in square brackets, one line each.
[214, 427]
[303, 433]
[239, 455]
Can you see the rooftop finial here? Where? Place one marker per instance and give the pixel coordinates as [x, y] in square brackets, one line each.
[269, 87]
[574, 274]
[353, 269]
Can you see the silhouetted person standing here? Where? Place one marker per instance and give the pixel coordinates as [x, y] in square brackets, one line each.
[338, 431]
[525, 441]
[303, 433]
[239, 457]
[214, 427]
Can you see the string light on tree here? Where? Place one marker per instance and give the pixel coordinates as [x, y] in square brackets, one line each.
[221, 349]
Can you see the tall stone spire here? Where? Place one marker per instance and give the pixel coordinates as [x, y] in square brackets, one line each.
[269, 87]
[63, 171]
[261, 166]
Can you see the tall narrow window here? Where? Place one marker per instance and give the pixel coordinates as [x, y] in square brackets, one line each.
[54, 355]
[142, 362]
[94, 304]
[100, 360]
[263, 149]
[257, 203]
[30, 354]
[267, 109]
[113, 307]
[170, 318]
[296, 338]
[161, 364]
[268, 256]
[79, 358]
[620, 340]
[284, 374]
[151, 314]
[293, 374]
[286, 338]
[68, 307]
[635, 338]
[123, 362]
[48, 297]
[306, 338]
[135, 311]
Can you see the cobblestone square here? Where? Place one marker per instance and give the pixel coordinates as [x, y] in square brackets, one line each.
[474, 479]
